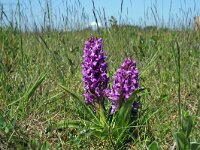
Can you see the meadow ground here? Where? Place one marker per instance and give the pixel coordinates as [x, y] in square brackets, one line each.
[33, 64]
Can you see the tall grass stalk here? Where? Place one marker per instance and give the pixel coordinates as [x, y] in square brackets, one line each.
[95, 16]
[179, 83]
[177, 56]
[20, 30]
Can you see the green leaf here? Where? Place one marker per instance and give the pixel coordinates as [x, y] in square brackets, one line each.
[32, 88]
[76, 124]
[181, 141]
[95, 129]
[87, 110]
[194, 146]
[101, 135]
[30, 91]
[70, 124]
[154, 146]
[123, 115]
[187, 125]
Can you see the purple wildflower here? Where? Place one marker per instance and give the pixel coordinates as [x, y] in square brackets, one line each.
[124, 84]
[94, 70]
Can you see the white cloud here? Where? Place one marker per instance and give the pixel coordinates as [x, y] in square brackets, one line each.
[93, 25]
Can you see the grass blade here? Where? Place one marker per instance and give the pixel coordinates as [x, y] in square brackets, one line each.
[87, 110]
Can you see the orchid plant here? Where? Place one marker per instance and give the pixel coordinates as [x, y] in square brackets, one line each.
[114, 124]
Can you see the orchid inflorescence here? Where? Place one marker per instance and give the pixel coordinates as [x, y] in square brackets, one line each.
[124, 84]
[94, 70]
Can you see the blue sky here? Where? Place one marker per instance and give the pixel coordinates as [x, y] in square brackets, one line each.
[137, 12]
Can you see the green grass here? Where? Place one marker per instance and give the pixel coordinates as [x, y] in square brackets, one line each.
[58, 56]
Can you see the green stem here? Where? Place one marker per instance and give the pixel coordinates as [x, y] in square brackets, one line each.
[179, 84]
[102, 113]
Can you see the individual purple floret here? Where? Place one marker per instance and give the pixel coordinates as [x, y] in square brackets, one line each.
[94, 70]
[124, 84]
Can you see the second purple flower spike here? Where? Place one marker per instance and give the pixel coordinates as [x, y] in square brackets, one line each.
[124, 84]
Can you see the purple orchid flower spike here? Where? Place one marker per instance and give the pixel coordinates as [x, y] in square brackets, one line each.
[124, 84]
[94, 70]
